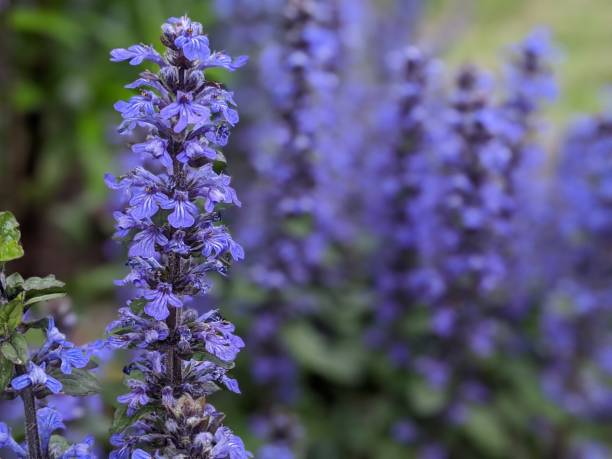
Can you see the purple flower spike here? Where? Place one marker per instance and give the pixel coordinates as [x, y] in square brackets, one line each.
[175, 241]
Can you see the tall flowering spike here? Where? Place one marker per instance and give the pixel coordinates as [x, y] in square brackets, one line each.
[576, 343]
[401, 167]
[172, 226]
[462, 215]
[299, 73]
[529, 84]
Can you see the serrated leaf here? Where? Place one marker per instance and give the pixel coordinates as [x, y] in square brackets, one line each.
[58, 445]
[79, 383]
[47, 297]
[10, 248]
[42, 283]
[6, 372]
[11, 315]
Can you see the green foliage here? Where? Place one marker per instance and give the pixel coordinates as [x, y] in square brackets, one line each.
[6, 372]
[121, 419]
[11, 315]
[79, 383]
[16, 350]
[51, 23]
[341, 362]
[485, 429]
[38, 289]
[10, 248]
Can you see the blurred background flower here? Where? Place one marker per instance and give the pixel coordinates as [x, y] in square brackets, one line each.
[426, 221]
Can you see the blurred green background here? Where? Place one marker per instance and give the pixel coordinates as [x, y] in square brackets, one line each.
[57, 88]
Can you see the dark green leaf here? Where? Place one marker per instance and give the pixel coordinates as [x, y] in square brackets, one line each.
[6, 372]
[79, 383]
[10, 248]
[11, 315]
[21, 346]
[121, 420]
[137, 306]
[8, 351]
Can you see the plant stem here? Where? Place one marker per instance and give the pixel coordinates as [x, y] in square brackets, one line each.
[31, 423]
[173, 369]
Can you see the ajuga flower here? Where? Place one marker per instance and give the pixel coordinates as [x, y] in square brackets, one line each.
[175, 238]
[574, 325]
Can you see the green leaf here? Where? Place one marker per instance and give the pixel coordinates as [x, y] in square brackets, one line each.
[486, 430]
[425, 399]
[42, 283]
[339, 361]
[79, 383]
[10, 248]
[47, 297]
[58, 445]
[6, 372]
[14, 282]
[11, 315]
[14, 353]
[40, 289]
[137, 306]
[121, 420]
[21, 346]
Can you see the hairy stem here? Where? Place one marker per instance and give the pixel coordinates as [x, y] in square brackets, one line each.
[31, 423]
[174, 369]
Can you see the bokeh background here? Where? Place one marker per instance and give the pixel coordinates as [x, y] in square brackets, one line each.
[57, 139]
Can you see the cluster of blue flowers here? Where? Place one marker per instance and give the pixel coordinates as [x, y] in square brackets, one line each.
[401, 168]
[576, 316]
[456, 171]
[176, 240]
